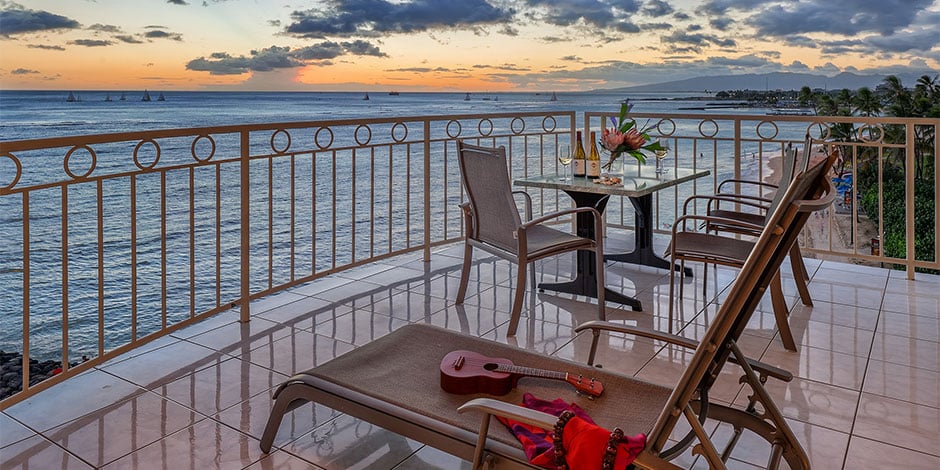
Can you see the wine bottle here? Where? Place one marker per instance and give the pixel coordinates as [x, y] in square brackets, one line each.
[593, 169]
[579, 163]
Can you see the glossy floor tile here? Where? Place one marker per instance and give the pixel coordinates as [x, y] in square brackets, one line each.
[865, 393]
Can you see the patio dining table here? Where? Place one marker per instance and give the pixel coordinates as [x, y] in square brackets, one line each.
[639, 185]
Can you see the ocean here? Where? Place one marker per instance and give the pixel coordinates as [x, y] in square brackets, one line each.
[44, 114]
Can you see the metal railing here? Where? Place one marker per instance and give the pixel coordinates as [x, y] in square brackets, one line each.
[111, 241]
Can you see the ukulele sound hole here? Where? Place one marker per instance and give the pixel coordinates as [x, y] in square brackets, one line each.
[490, 366]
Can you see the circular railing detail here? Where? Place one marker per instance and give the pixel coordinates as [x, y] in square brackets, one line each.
[404, 130]
[368, 138]
[91, 167]
[274, 136]
[156, 158]
[546, 127]
[316, 137]
[519, 123]
[774, 130]
[449, 130]
[701, 128]
[489, 130]
[16, 174]
[871, 133]
[211, 148]
[660, 129]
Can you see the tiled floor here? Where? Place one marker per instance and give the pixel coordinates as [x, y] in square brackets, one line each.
[866, 392]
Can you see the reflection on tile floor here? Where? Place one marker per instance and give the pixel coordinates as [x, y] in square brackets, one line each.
[866, 392]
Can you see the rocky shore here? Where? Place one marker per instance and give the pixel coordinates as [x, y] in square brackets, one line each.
[11, 372]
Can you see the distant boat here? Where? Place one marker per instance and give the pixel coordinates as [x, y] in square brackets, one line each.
[554, 97]
[467, 98]
[790, 112]
[71, 98]
[146, 96]
[123, 97]
[161, 97]
[108, 98]
[365, 98]
[393, 93]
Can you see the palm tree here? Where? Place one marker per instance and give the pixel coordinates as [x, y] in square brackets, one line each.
[866, 103]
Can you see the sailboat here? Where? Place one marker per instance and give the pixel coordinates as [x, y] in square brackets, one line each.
[123, 97]
[554, 97]
[71, 98]
[108, 98]
[365, 98]
[467, 98]
[146, 96]
[161, 97]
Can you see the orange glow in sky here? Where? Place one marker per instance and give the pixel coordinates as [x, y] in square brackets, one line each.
[447, 45]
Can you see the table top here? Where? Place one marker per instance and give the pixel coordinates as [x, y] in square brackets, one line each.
[637, 181]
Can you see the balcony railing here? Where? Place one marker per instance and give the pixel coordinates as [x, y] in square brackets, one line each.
[111, 241]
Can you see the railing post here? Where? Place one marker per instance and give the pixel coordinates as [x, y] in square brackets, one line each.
[737, 154]
[910, 172]
[245, 265]
[427, 190]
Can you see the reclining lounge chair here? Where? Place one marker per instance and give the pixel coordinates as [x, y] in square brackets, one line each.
[393, 382]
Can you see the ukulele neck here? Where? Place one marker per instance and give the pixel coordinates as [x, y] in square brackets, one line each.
[531, 372]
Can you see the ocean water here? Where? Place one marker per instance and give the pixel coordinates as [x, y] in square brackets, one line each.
[43, 114]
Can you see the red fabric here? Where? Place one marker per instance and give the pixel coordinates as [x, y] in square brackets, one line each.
[584, 441]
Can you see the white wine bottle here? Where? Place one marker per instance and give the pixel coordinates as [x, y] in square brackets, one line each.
[579, 162]
[593, 169]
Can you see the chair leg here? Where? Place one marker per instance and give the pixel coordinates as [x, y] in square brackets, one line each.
[672, 290]
[464, 272]
[601, 305]
[517, 300]
[780, 313]
[800, 276]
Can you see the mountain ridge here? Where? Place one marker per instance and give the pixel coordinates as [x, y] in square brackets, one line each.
[770, 81]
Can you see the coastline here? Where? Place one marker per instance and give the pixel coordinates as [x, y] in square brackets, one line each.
[830, 229]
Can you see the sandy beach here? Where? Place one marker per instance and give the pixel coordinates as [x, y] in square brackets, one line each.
[832, 229]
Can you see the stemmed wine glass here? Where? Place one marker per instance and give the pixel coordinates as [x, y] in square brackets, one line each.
[564, 157]
[660, 156]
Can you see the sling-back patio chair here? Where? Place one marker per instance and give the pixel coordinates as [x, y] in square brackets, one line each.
[493, 224]
[393, 382]
[689, 244]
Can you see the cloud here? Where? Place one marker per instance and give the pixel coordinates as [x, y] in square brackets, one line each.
[91, 42]
[17, 20]
[128, 39]
[657, 8]
[104, 28]
[681, 41]
[382, 17]
[179, 2]
[22, 71]
[275, 57]
[46, 47]
[846, 17]
[160, 34]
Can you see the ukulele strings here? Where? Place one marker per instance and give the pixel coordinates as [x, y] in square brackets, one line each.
[514, 369]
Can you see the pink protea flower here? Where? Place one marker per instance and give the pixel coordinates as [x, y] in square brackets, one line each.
[611, 139]
[633, 139]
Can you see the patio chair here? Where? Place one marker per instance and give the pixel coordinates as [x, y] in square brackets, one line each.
[493, 224]
[393, 382]
[706, 247]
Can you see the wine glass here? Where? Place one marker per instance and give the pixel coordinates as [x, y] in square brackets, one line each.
[660, 156]
[564, 157]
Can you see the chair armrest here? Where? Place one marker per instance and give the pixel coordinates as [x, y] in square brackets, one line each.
[681, 221]
[561, 213]
[760, 184]
[764, 369]
[752, 201]
[503, 409]
[597, 325]
[528, 203]
[822, 202]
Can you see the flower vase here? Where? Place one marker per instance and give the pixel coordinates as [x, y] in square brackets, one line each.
[616, 166]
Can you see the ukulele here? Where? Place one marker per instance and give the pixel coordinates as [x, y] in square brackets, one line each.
[464, 372]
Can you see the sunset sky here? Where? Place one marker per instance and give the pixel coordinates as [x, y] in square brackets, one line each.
[445, 45]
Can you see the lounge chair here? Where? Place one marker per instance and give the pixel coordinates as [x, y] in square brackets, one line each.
[493, 224]
[393, 381]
